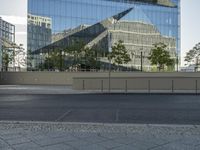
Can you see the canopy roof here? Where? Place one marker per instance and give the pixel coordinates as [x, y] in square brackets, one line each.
[165, 3]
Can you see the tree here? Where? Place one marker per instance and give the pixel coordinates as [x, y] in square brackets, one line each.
[54, 60]
[160, 56]
[90, 57]
[74, 56]
[14, 55]
[7, 58]
[193, 54]
[82, 56]
[29, 60]
[76, 51]
[49, 63]
[119, 54]
[20, 56]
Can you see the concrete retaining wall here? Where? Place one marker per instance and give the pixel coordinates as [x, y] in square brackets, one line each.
[43, 78]
[99, 80]
[169, 82]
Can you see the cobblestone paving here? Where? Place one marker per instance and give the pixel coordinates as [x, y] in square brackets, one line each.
[77, 136]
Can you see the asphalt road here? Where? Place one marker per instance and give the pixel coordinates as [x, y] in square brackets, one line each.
[115, 108]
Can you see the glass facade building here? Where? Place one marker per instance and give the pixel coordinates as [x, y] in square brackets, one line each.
[39, 31]
[160, 17]
[7, 31]
[7, 36]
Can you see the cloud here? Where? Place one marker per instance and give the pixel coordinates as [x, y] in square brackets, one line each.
[16, 20]
[21, 33]
[13, 7]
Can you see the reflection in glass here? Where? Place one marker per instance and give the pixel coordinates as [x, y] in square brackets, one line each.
[143, 26]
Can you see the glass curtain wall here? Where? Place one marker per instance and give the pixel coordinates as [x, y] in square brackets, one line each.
[68, 15]
[0, 54]
[7, 35]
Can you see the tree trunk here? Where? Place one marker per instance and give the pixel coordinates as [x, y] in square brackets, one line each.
[6, 68]
[159, 68]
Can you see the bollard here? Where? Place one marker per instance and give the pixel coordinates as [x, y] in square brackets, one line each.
[83, 84]
[101, 85]
[196, 86]
[109, 84]
[126, 86]
[149, 86]
[172, 86]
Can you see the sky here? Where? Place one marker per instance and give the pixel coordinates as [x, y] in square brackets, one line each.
[190, 24]
[15, 11]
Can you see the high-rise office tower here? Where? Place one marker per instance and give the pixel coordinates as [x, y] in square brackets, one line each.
[7, 36]
[139, 23]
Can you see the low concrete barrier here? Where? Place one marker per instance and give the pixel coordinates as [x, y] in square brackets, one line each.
[174, 83]
[119, 81]
[43, 78]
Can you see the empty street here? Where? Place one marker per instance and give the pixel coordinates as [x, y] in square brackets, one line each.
[114, 108]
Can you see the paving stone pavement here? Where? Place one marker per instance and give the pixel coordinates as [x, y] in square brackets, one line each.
[89, 136]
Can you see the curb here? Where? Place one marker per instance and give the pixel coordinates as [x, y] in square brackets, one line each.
[152, 129]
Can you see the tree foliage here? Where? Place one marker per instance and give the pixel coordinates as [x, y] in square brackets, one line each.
[53, 60]
[74, 56]
[83, 56]
[119, 54]
[7, 58]
[160, 56]
[193, 54]
[29, 60]
[90, 56]
[76, 51]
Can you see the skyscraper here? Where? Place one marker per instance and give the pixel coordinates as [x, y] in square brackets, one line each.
[39, 31]
[160, 18]
[7, 37]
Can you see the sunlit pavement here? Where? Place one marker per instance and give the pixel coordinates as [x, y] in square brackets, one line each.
[132, 122]
[90, 136]
[37, 89]
[68, 89]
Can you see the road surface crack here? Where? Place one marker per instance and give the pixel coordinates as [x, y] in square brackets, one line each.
[63, 115]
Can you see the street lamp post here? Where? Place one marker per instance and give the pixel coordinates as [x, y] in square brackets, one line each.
[109, 74]
[41, 65]
[177, 62]
[141, 61]
[110, 50]
[60, 53]
[1, 47]
[21, 49]
[109, 57]
[197, 63]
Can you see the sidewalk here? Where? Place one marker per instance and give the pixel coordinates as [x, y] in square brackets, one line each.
[59, 89]
[89, 136]
[36, 89]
